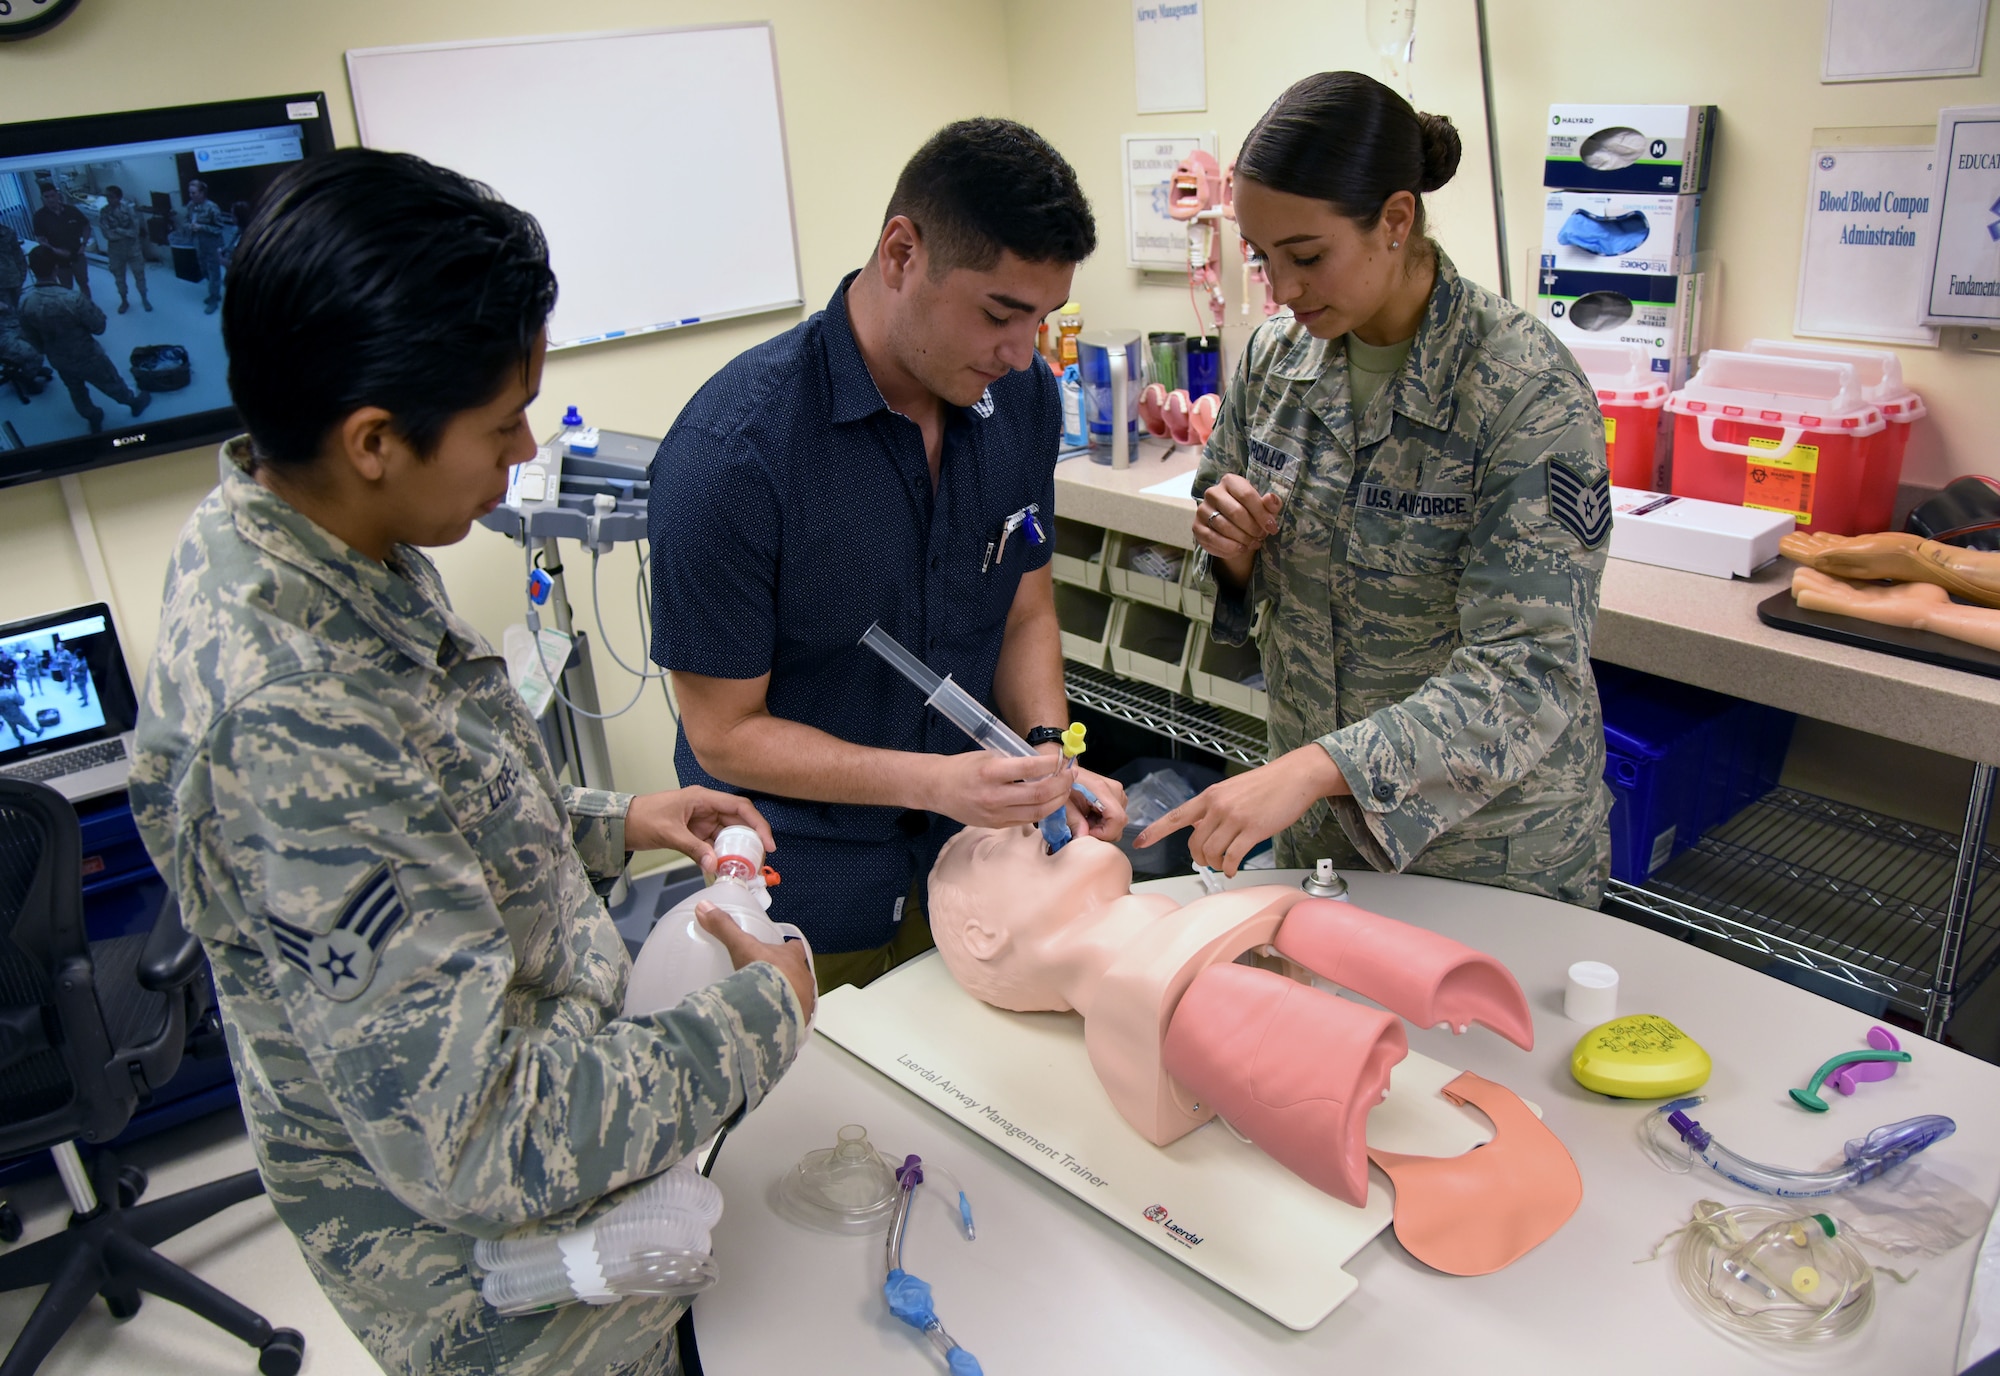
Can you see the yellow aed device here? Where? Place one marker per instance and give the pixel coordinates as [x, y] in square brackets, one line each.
[1642, 1056]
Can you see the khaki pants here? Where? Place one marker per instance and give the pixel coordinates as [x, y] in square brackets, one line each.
[126, 253]
[859, 968]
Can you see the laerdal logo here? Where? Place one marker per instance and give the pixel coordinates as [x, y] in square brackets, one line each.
[124, 440]
[1187, 1238]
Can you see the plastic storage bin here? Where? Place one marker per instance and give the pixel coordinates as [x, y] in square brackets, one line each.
[1198, 591]
[1079, 553]
[1880, 373]
[1779, 434]
[1145, 570]
[1151, 644]
[1216, 674]
[1632, 398]
[1085, 619]
[1680, 760]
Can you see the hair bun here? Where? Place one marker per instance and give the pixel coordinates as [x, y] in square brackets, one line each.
[1441, 151]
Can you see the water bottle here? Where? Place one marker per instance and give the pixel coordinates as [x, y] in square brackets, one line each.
[1074, 436]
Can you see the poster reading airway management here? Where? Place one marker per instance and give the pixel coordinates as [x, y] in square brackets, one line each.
[1964, 285]
[1868, 231]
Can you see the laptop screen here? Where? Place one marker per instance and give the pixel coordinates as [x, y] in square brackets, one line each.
[62, 683]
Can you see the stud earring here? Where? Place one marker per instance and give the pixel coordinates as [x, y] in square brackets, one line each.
[1395, 243]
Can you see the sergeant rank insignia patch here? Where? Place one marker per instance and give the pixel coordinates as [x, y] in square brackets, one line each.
[1583, 508]
[342, 962]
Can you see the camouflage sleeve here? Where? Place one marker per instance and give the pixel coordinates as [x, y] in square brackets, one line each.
[90, 315]
[391, 962]
[1527, 604]
[597, 825]
[1227, 451]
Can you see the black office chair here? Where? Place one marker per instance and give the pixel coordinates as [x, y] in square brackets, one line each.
[88, 1030]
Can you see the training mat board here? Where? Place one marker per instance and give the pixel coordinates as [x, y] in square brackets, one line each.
[1023, 1081]
[1926, 647]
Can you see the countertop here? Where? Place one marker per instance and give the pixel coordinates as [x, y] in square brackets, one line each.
[1683, 626]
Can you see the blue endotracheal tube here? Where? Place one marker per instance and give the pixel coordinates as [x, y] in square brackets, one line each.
[1677, 1141]
[988, 732]
[908, 1296]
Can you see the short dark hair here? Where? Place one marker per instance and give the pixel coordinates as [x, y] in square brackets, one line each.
[377, 279]
[114, 187]
[42, 259]
[1345, 138]
[982, 186]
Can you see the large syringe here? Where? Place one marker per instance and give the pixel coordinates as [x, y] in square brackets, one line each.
[965, 712]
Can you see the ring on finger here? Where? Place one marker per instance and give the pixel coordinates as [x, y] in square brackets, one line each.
[1213, 515]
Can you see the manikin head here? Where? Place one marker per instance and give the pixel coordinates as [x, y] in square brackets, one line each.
[981, 238]
[1007, 915]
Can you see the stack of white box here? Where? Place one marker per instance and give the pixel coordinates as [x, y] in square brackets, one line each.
[1617, 259]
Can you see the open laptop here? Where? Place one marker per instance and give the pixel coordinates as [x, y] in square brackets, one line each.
[66, 704]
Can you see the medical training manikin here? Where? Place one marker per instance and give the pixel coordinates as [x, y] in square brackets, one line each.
[1179, 1033]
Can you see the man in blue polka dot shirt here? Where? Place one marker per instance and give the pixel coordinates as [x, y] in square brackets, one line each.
[863, 467]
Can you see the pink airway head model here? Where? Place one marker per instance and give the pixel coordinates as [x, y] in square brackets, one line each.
[1292, 1068]
[1417, 974]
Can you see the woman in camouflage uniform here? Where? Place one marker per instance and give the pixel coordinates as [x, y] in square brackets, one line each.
[1410, 470]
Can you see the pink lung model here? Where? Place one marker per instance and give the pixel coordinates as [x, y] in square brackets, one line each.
[1176, 1031]
[1423, 976]
[1290, 1067]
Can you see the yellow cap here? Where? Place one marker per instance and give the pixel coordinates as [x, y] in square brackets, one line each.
[1072, 740]
[1070, 308]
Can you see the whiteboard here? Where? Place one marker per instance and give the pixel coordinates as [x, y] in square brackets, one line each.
[655, 161]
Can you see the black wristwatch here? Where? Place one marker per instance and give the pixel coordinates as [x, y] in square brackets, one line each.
[1045, 735]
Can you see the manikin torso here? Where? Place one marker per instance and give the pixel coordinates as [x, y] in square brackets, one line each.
[1064, 932]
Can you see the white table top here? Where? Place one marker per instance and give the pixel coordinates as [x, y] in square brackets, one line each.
[1051, 1286]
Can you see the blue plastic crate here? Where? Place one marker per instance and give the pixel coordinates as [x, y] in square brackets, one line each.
[1680, 760]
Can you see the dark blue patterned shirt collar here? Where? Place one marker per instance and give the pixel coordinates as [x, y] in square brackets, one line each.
[854, 393]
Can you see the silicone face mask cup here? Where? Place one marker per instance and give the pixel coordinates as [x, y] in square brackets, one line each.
[1600, 310]
[1605, 236]
[1608, 150]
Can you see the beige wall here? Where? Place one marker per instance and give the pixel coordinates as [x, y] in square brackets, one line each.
[1070, 64]
[863, 82]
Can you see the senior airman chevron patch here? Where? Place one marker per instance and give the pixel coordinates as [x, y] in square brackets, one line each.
[342, 962]
[1583, 508]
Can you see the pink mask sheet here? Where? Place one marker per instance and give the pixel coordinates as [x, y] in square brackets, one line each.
[1470, 1215]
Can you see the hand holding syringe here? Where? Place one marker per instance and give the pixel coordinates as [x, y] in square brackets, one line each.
[987, 731]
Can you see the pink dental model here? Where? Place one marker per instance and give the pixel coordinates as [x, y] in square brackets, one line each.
[1178, 1033]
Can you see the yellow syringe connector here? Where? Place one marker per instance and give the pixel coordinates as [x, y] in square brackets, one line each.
[1072, 740]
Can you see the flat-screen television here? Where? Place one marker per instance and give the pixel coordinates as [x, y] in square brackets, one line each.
[114, 350]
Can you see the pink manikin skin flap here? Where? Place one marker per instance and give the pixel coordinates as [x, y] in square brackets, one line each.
[1470, 1215]
[1417, 974]
[1293, 1068]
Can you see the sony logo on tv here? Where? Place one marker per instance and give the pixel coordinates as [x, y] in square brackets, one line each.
[121, 441]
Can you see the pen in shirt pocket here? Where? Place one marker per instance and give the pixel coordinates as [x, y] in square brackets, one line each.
[1028, 521]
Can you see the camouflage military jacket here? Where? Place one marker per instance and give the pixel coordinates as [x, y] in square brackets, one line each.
[420, 988]
[62, 323]
[1433, 586]
[119, 222]
[203, 217]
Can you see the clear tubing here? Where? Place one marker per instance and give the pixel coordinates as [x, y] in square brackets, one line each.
[681, 1195]
[1677, 1141]
[617, 1234]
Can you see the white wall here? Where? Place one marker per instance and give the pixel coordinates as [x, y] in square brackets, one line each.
[864, 81]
